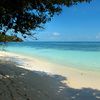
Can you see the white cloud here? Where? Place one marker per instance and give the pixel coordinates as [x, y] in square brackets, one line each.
[98, 36]
[56, 34]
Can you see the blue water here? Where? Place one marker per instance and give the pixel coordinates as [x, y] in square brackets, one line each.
[79, 55]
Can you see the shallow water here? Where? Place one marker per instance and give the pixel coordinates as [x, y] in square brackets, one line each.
[79, 55]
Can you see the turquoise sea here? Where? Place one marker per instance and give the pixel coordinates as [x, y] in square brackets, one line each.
[79, 55]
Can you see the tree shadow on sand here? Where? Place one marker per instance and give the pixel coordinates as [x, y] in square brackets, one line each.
[20, 84]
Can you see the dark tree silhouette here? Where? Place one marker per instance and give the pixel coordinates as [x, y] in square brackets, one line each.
[26, 15]
[7, 38]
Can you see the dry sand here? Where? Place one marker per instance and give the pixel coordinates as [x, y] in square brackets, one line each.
[24, 78]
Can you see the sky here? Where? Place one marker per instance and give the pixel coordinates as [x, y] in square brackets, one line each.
[77, 23]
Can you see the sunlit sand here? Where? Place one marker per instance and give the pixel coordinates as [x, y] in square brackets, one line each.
[75, 78]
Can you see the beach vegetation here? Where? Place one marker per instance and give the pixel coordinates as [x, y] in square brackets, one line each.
[23, 16]
[7, 38]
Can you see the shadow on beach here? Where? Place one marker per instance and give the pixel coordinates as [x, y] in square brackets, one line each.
[20, 84]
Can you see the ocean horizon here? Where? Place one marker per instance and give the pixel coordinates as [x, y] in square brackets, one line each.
[78, 55]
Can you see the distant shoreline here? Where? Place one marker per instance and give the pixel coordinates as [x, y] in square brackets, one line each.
[59, 41]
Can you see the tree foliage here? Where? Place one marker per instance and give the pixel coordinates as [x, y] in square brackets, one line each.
[25, 15]
[7, 38]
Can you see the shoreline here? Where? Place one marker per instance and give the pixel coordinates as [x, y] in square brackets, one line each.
[75, 78]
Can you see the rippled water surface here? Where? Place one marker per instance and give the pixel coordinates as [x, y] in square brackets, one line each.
[82, 55]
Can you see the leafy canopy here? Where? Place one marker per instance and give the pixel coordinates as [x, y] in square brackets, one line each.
[25, 15]
[7, 38]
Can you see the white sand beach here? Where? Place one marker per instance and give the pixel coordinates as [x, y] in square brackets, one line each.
[24, 78]
[75, 78]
